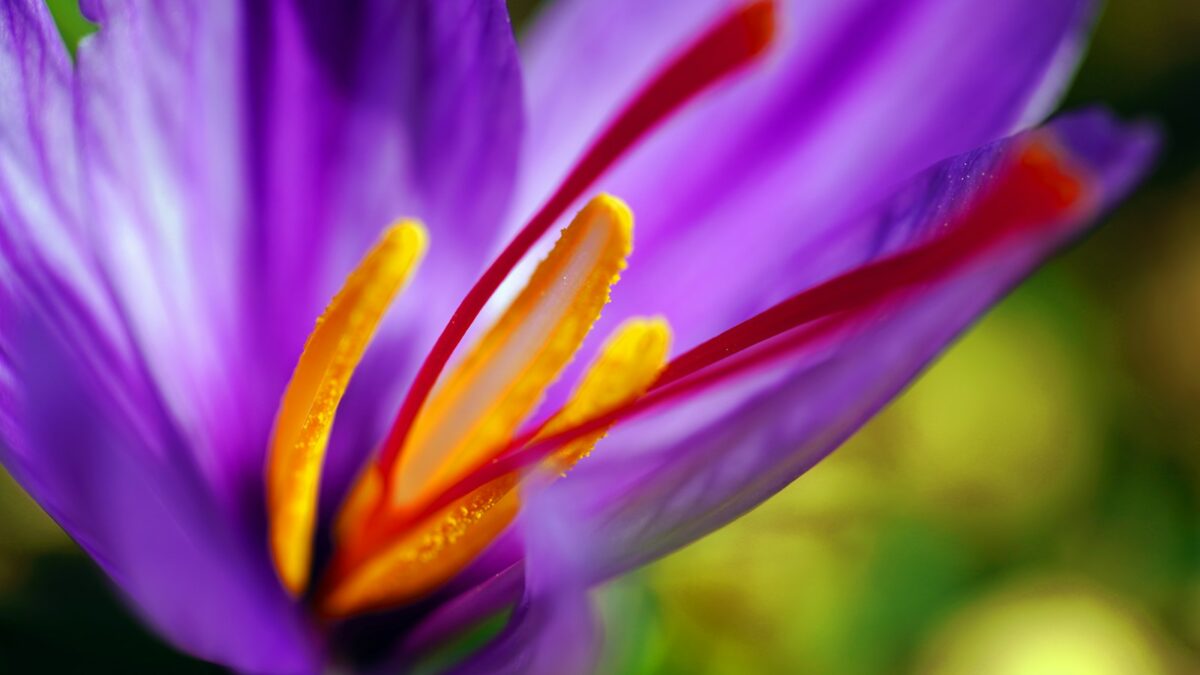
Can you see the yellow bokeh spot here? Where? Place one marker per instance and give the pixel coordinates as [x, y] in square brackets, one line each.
[1046, 627]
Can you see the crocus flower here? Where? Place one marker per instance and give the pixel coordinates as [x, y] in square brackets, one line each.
[826, 193]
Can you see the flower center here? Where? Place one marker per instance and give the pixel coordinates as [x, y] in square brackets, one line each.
[385, 555]
[391, 546]
[445, 482]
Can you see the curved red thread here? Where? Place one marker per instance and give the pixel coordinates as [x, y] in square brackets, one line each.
[732, 43]
[1038, 189]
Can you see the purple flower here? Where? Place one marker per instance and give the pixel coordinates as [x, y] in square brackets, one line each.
[826, 193]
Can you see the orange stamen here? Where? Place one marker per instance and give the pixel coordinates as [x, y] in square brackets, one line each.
[415, 560]
[500, 382]
[306, 413]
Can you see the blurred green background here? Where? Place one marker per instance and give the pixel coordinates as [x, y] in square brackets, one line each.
[1031, 506]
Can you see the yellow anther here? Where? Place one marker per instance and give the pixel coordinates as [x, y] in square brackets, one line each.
[628, 364]
[431, 554]
[318, 383]
[480, 404]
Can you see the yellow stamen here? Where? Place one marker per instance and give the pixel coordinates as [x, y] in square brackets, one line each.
[479, 405]
[628, 364]
[306, 413]
[430, 555]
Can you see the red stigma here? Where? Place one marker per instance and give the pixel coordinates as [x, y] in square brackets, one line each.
[729, 45]
[1038, 189]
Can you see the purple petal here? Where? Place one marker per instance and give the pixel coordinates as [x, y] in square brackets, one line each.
[174, 213]
[644, 494]
[554, 629]
[406, 109]
[83, 426]
[244, 156]
[857, 98]
[162, 174]
[105, 465]
[485, 598]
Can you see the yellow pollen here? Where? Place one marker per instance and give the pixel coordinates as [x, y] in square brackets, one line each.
[318, 383]
[423, 557]
[429, 555]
